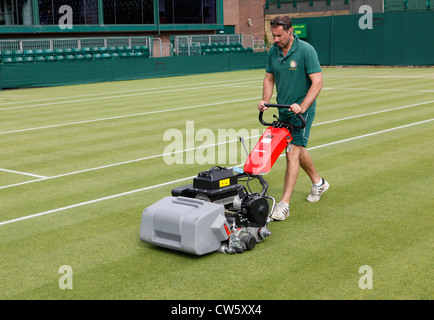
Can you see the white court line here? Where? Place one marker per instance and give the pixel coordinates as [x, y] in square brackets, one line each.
[371, 134]
[119, 163]
[24, 173]
[187, 178]
[128, 91]
[171, 110]
[239, 84]
[383, 77]
[375, 112]
[126, 116]
[94, 201]
[112, 97]
[206, 83]
[385, 90]
[207, 146]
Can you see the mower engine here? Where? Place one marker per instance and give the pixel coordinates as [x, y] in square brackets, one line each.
[215, 213]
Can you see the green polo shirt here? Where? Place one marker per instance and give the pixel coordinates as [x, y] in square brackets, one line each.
[291, 73]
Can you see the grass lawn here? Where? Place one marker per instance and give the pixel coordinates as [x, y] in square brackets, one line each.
[79, 164]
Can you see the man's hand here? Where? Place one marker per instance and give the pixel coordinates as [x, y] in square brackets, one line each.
[296, 108]
[261, 105]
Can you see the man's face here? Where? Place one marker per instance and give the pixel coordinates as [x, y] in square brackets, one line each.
[281, 37]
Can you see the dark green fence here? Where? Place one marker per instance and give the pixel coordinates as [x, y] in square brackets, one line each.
[55, 73]
[405, 38]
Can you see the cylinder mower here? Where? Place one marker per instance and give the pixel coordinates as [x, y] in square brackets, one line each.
[219, 211]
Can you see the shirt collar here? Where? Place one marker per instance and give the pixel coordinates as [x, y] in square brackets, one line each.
[293, 48]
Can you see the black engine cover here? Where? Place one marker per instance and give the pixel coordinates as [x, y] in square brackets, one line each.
[214, 179]
[215, 184]
[257, 210]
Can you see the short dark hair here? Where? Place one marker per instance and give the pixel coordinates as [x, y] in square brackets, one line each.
[283, 21]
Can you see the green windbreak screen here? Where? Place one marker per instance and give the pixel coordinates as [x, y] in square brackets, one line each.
[22, 74]
[387, 39]
[395, 5]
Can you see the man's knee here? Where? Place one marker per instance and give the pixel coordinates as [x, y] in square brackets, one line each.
[293, 152]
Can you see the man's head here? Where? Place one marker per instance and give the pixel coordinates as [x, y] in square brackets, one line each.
[281, 29]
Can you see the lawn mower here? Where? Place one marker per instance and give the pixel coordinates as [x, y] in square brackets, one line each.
[219, 211]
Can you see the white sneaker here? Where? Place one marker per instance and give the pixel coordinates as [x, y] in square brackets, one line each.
[316, 192]
[280, 212]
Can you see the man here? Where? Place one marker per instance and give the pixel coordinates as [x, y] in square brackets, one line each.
[293, 66]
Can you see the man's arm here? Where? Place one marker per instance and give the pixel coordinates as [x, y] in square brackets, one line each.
[267, 92]
[312, 94]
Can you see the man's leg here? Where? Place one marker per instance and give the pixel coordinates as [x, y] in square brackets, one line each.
[306, 163]
[318, 184]
[291, 175]
[297, 157]
[281, 210]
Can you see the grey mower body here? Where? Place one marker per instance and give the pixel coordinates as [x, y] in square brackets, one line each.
[185, 224]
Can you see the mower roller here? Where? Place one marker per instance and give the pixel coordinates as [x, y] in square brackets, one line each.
[219, 211]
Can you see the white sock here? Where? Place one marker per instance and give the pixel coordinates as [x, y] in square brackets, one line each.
[320, 183]
[285, 204]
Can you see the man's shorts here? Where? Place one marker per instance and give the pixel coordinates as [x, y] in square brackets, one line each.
[300, 137]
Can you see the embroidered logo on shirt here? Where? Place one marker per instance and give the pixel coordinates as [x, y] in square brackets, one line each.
[293, 65]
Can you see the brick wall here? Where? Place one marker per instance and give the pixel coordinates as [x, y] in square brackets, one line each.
[246, 15]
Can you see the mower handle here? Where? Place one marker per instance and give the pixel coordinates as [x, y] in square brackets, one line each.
[299, 115]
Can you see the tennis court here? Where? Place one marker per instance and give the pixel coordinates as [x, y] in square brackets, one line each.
[80, 163]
